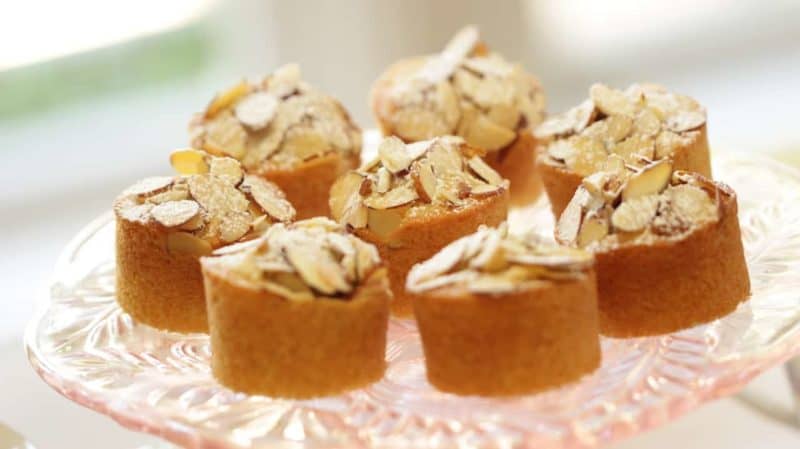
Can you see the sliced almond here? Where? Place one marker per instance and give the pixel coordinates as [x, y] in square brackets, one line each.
[651, 180]
[228, 169]
[484, 133]
[593, 229]
[484, 171]
[444, 159]
[149, 186]
[383, 180]
[685, 121]
[189, 161]
[648, 122]
[618, 127]
[590, 155]
[634, 148]
[441, 66]
[186, 243]
[504, 115]
[256, 110]
[269, 197]
[176, 192]
[227, 98]
[417, 123]
[635, 214]
[562, 150]
[318, 269]
[234, 226]
[611, 101]
[424, 181]
[225, 136]
[175, 213]
[569, 223]
[393, 154]
[447, 101]
[400, 195]
[305, 143]
[692, 204]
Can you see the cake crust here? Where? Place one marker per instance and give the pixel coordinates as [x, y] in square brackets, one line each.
[265, 344]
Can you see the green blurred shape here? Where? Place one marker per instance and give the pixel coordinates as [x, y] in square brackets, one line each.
[144, 61]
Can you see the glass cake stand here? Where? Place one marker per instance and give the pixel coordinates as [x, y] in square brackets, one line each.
[87, 349]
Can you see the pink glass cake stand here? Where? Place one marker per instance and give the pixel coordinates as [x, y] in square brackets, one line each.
[87, 349]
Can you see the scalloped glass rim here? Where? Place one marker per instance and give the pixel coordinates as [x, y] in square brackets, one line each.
[88, 350]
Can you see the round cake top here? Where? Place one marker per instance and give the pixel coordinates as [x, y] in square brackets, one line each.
[276, 124]
[641, 124]
[212, 203]
[411, 180]
[637, 205]
[467, 91]
[308, 259]
[493, 262]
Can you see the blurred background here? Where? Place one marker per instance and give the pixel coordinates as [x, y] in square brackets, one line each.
[95, 93]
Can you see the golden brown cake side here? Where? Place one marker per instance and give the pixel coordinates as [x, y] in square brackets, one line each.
[504, 314]
[264, 344]
[522, 343]
[420, 238]
[308, 184]
[672, 285]
[156, 287]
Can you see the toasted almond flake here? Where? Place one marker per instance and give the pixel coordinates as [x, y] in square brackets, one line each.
[485, 190]
[417, 149]
[149, 186]
[317, 268]
[269, 197]
[692, 204]
[447, 102]
[400, 195]
[635, 214]
[186, 243]
[176, 192]
[648, 123]
[256, 110]
[483, 133]
[561, 150]
[590, 155]
[384, 180]
[651, 180]
[425, 181]
[618, 127]
[635, 147]
[440, 67]
[189, 161]
[238, 247]
[228, 169]
[594, 228]
[227, 98]
[234, 226]
[491, 65]
[484, 171]
[175, 213]
[611, 101]
[441, 262]
[393, 154]
[305, 143]
[570, 221]
[685, 121]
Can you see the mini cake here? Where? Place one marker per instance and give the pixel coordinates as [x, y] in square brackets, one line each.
[467, 91]
[285, 131]
[642, 124]
[164, 225]
[503, 315]
[299, 313]
[414, 199]
[667, 246]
